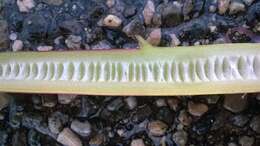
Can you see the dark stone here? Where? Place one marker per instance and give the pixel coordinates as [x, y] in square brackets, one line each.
[203, 125]
[253, 14]
[115, 104]
[141, 114]
[19, 139]
[33, 138]
[14, 116]
[239, 120]
[3, 137]
[35, 121]
[70, 27]
[129, 11]
[4, 43]
[88, 107]
[165, 114]
[40, 28]
[171, 15]
[135, 27]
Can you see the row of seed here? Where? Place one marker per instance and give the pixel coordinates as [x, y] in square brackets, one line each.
[209, 69]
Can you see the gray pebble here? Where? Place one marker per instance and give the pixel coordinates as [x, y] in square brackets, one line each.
[131, 102]
[81, 128]
[246, 141]
[255, 124]
[235, 102]
[180, 138]
[56, 122]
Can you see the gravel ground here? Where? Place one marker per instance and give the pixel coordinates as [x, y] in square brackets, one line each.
[74, 120]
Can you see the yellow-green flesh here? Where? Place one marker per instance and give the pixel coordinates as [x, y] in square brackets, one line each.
[212, 69]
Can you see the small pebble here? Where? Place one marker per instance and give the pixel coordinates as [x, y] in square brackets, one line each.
[131, 102]
[25, 5]
[160, 102]
[148, 12]
[258, 96]
[212, 8]
[102, 45]
[255, 124]
[197, 109]
[212, 99]
[174, 40]
[13, 36]
[56, 121]
[82, 128]
[68, 138]
[17, 45]
[66, 98]
[154, 37]
[246, 141]
[44, 48]
[53, 2]
[184, 118]
[73, 42]
[157, 128]
[236, 6]
[239, 120]
[137, 142]
[112, 21]
[4, 100]
[134, 27]
[232, 144]
[173, 103]
[110, 3]
[97, 140]
[49, 100]
[223, 6]
[235, 102]
[180, 138]
[248, 2]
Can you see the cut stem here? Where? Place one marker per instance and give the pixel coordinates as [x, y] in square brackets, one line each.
[211, 69]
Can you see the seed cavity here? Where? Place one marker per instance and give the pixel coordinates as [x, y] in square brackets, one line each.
[34, 71]
[131, 72]
[51, 71]
[1, 70]
[90, 71]
[15, 70]
[256, 66]
[59, 71]
[7, 70]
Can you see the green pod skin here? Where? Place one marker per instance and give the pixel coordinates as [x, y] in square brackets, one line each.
[149, 71]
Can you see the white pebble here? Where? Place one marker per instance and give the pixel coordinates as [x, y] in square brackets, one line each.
[44, 48]
[13, 36]
[112, 21]
[68, 138]
[17, 45]
[25, 5]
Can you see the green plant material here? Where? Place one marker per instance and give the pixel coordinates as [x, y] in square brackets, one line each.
[211, 69]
